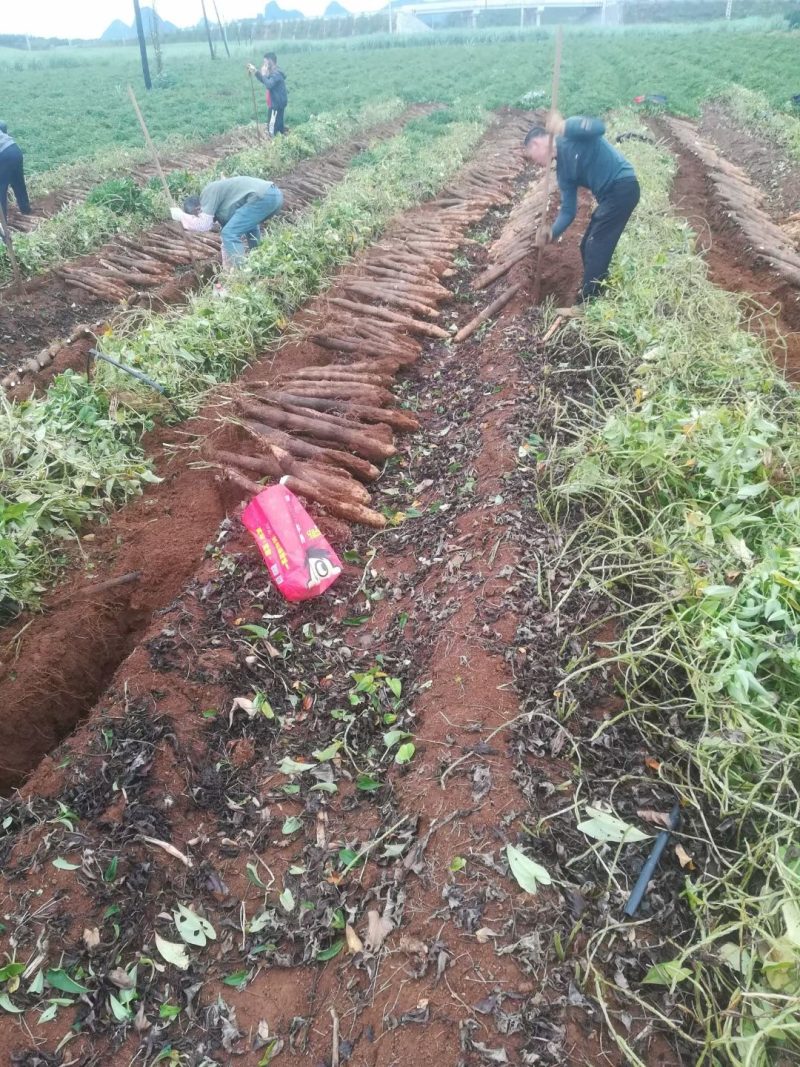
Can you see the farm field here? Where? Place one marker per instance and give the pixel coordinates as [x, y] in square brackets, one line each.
[403, 820]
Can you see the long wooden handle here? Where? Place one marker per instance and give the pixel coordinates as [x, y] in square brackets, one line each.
[149, 142]
[255, 105]
[537, 276]
[5, 231]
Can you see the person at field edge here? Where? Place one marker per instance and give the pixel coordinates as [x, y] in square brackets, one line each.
[12, 173]
[239, 205]
[585, 159]
[274, 81]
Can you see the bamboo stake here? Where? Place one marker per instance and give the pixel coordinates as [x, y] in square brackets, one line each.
[149, 142]
[537, 274]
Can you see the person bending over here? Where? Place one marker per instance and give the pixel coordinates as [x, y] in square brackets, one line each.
[239, 205]
[585, 159]
[274, 81]
[11, 173]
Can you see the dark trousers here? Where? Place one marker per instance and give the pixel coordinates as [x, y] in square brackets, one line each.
[276, 121]
[603, 233]
[11, 174]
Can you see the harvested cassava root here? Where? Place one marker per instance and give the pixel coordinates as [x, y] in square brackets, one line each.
[363, 444]
[398, 420]
[492, 309]
[268, 435]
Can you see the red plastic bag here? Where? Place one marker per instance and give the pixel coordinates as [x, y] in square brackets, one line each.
[301, 562]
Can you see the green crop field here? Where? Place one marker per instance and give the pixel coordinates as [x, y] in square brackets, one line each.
[561, 660]
[72, 103]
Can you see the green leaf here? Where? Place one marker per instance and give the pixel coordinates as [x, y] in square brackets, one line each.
[256, 631]
[254, 877]
[324, 754]
[49, 1014]
[367, 783]
[324, 787]
[603, 826]
[529, 874]
[395, 685]
[291, 824]
[405, 752]
[457, 863]
[290, 766]
[669, 974]
[391, 737]
[238, 979]
[329, 953]
[193, 929]
[748, 491]
[169, 1011]
[11, 970]
[6, 1005]
[269, 1050]
[36, 988]
[110, 873]
[287, 900]
[291, 789]
[349, 858]
[64, 865]
[120, 1012]
[173, 953]
[59, 979]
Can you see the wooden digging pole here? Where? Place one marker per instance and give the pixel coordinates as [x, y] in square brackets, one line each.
[256, 119]
[537, 270]
[12, 258]
[149, 142]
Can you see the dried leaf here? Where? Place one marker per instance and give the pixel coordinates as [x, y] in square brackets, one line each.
[354, 943]
[684, 858]
[413, 946]
[378, 929]
[658, 818]
[91, 937]
[652, 764]
[484, 935]
[121, 979]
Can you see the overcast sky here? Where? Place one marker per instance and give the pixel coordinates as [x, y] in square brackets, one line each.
[88, 18]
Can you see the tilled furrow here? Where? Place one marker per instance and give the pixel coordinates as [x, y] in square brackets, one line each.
[326, 429]
[744, 203]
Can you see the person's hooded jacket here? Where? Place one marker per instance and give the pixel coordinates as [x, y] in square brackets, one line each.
[275, 84]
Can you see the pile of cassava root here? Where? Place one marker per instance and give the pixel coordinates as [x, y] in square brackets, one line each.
[327, 429]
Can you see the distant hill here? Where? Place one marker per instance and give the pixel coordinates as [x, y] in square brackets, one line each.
[334, 10]
[118, 31]
[273, 12]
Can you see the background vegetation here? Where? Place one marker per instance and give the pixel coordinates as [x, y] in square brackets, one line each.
[68, 104]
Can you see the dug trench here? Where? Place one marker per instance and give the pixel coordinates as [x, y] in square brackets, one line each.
[252, 762]
[732, 262]
[54, 666]
[153, 269]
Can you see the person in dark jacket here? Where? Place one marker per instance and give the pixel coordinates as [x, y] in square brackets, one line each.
[274, 81]
[585, 159]
[11, 173]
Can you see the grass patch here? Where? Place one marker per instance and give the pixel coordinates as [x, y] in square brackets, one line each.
[685, 473]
